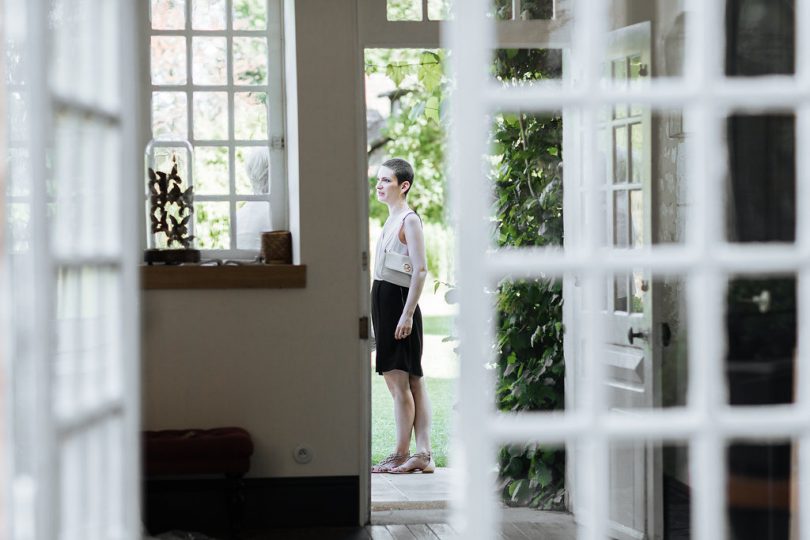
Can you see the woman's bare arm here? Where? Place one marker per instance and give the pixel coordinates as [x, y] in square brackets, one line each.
[415, 240]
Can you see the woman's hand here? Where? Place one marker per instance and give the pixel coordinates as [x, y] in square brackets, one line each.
[404, 326]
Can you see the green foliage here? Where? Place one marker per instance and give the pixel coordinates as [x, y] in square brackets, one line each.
[439, 250]
[527, 153]
[529, 9]
[414, 129]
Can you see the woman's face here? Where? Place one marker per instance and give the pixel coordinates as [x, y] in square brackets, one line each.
[388, 189]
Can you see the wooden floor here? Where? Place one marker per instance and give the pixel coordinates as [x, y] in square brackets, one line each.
[430, 531]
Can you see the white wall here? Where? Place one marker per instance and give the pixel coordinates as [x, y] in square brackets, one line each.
[284, 364]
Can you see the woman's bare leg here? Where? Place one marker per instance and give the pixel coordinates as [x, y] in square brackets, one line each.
[423, 415]
[422, 459]
[400, 388]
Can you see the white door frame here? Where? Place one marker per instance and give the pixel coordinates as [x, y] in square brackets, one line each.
[376, 31]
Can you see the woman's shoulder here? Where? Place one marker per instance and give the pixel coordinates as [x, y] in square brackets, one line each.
[412, 218]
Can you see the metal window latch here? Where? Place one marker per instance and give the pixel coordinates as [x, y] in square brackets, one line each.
[631, 336]
[645, 285]
[363, 328]
[277, 143]
[762, 301]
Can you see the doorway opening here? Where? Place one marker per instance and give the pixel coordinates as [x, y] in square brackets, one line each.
[403, 93]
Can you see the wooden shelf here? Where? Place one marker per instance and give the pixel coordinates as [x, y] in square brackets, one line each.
[265, 276]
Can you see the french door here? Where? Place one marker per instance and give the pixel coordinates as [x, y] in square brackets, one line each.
[71, 259]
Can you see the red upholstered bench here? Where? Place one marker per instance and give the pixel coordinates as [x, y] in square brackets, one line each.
[221, 451]
[198, 451]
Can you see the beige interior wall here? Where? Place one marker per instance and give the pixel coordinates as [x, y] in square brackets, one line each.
[628, 12]
[284, 364]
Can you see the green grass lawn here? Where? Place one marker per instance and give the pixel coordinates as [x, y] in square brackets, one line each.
[439, 325]
[382, 424]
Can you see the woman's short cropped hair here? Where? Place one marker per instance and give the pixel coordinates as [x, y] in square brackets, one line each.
[402, 170]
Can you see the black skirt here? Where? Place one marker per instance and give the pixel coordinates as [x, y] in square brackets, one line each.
[387, 302]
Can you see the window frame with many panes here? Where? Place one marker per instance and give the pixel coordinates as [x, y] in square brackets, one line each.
[206, 58]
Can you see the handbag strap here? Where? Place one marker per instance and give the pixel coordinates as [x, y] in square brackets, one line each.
[390, 239]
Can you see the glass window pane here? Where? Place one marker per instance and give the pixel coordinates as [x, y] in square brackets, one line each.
[760, 38]
[761, 200]
[249, 60]
[18, 219]
[404, 10]
[620, 293]
[67, 188]
[763, 489]
[208, 14]
[252, 219]
[619, 75]
[502, 10]
[252, 170]
[249, 15]
[212, 223]
[620, 219]
[536, 9]
[640, 286]
[106, 232]
[169, 115]
[211, 170]
[637, 218]
[761, 335]
[209, 59]
[210, 115]
[168, 60]
[636, 153]
[439, 10]
[250, 115]
[620, 154]
[19, 171]
[168, 14]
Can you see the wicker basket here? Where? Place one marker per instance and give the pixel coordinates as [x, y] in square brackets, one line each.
[277, 247]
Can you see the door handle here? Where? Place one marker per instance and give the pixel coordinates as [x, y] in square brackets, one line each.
[762, 301]
[631, 336]
[666, 334]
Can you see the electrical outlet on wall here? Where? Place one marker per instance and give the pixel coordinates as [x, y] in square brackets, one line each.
[302, 454]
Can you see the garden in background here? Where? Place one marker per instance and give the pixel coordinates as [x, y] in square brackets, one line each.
[525, 170]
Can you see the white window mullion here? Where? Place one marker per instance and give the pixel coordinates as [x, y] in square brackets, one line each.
[706, 286]
[276, 118]
[231, 127]
[470, 198]
[589, 38]
[802, 366]
[46, 450]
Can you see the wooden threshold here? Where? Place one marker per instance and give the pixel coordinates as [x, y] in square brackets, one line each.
[264, 276]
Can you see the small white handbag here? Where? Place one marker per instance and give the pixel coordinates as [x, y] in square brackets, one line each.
[397, 268]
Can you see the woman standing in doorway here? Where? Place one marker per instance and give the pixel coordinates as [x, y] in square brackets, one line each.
[397, 322]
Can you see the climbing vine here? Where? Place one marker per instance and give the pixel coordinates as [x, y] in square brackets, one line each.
[526, 169]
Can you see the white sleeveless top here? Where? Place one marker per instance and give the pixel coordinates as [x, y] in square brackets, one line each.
[389, 241]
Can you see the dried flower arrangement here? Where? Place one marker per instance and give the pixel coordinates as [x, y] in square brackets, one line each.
[170, 210]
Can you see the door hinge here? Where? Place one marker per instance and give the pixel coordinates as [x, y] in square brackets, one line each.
[277, 143]
[363, 327]
[364, 260]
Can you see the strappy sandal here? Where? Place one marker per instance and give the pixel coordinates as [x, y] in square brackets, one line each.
[391, 461]
[427, 469]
